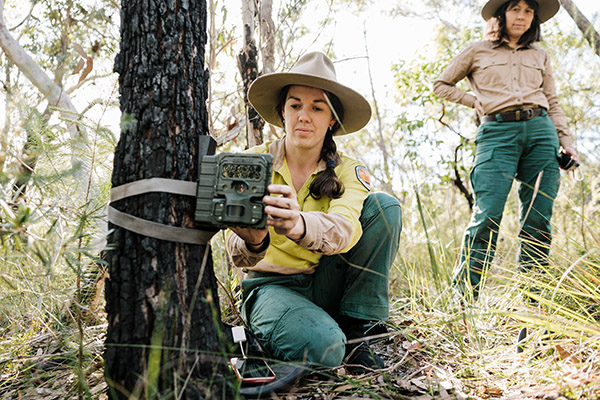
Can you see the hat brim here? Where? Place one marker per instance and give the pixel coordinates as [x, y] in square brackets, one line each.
[264, 92]
[546, 9]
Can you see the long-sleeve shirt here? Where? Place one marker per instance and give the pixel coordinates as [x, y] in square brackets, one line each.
[332, 225]
[504, 78]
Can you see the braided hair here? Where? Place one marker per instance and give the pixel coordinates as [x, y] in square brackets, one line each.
[326, 184]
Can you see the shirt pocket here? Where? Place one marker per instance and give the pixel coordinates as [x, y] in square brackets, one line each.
[493, 70]
[532, 73]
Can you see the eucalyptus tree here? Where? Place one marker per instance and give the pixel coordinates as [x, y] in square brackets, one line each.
[44, 71]
[161, 295]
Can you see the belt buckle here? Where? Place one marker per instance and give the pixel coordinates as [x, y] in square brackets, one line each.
[524, 115]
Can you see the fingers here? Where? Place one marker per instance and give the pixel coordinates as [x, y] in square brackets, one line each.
[283, 210]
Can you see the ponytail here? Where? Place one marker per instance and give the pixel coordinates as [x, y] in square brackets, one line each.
[327, 184]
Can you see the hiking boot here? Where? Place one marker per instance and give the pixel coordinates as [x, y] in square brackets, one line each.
[360, 358]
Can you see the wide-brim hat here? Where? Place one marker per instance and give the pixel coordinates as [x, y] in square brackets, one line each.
[546, 9]
[313, 69]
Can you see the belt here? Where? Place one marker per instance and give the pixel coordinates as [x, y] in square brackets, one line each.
[514, 115]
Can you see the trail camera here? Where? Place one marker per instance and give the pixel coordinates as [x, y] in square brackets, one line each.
[231, 188]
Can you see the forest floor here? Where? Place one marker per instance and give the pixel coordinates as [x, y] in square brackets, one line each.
[428, 356]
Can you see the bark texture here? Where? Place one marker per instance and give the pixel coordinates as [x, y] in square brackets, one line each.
[161, 296]
[248, 65]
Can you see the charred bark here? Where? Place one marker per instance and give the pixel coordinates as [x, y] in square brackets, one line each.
[161, 297]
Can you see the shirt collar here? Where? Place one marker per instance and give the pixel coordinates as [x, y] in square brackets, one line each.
[504, 42]
[277, 149]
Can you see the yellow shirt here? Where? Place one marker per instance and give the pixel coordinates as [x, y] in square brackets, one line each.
[503, 78]
[332, 225]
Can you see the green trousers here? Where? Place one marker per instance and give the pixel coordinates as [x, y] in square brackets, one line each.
[526, 151]
[294, 316]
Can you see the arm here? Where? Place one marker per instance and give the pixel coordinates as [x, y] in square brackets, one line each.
[457, 70]
[555, 112]
[338, 229]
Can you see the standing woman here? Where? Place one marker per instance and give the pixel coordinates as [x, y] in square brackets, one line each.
[319, 272]
[523, 128]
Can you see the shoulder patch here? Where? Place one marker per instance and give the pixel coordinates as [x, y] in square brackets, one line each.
[363, 176]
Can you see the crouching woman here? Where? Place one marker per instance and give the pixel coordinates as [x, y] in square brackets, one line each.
[318, 274]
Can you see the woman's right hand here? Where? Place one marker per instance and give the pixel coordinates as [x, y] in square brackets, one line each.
[283, 212]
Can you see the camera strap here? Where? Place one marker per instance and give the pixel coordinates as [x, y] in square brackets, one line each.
[155, 229]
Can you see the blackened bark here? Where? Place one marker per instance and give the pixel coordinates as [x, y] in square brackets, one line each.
[160, 293]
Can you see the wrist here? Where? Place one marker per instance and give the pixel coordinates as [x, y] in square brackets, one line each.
[260, 246]
[299, 230]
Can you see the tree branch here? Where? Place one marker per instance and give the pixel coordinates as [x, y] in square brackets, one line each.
[584, 25]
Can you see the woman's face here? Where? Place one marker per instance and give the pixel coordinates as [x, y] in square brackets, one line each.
[307, 117]
[518, 19]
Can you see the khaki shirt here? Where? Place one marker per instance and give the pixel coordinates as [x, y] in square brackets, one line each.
[504, 78]
[332, 225]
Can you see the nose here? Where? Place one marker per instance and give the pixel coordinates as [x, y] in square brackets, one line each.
[303, 116]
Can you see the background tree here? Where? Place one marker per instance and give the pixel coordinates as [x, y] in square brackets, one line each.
[162, 314]
[56, 64]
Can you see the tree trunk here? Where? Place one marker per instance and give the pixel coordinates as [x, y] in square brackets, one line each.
[267, 36]
[584, 25]
[161, 297]
[248, 65]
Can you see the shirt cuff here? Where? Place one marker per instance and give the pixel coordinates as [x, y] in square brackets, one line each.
[565, 141]
[312, 237]
[468, 100]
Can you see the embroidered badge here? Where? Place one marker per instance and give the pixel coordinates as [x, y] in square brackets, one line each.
[363, 177]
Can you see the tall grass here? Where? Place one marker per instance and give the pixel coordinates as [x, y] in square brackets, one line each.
[558, 303]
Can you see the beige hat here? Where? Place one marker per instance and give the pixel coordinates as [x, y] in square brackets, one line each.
[546, 9]
[316, 70]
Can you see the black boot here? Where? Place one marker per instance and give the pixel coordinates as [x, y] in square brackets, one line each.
[360, 358]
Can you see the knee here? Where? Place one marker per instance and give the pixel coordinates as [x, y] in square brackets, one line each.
[305, 335]
[385, 207]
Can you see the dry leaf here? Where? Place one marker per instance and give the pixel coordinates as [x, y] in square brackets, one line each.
[564, 354]
[88, 69]
[80, 65]
[486, 391]
[80, 50]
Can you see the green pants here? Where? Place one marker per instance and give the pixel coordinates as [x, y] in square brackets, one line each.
[294, 316]
[527, 151]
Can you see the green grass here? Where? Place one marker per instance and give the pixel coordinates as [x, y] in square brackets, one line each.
[52, 322]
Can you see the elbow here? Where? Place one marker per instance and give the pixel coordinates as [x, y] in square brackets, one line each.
[437, 88]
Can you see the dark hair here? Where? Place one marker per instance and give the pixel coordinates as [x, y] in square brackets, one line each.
[497, 31]
[326, 184]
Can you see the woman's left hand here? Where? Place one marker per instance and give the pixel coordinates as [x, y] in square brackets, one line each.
[574, 155]
[283, 212]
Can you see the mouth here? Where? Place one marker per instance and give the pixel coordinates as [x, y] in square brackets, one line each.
[303, 131]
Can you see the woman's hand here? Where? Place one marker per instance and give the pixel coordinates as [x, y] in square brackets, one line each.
[283, 212]
[478, 107]
[574, 155]
[254, 238]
